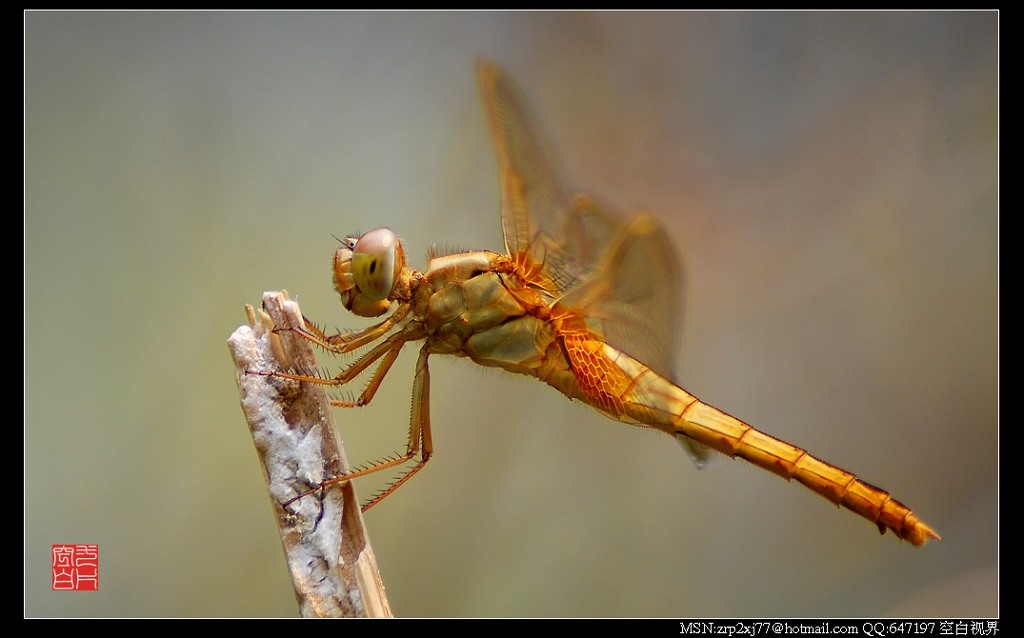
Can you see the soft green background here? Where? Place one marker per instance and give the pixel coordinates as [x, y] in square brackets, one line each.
[829, 177]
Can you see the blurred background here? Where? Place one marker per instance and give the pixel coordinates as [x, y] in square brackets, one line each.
[829, 178]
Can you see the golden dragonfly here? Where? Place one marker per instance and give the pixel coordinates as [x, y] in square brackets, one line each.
[583, 299]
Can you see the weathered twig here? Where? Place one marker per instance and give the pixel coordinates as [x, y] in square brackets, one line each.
[328, 553]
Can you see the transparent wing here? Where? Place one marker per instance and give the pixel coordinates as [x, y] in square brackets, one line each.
[541, 234]
[620, 274]
[632, 295]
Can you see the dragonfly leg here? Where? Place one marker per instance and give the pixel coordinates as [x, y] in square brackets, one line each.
[349, 341]
[345, 342]
[419, 443]
[389, 349]
[370, 390]
[419, 424]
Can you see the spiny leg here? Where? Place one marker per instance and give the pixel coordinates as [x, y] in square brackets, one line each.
[389, 349]
[345, 342]
[419, 443]
[378, 377]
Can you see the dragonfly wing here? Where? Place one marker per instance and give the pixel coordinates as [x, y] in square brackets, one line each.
[532, 198]
[554, 242]
[622, 275]
[632, 297]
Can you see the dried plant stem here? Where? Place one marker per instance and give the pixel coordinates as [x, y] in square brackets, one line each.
[325, 543]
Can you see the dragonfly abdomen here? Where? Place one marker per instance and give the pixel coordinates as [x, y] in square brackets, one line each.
[733, 437]
[628, 390]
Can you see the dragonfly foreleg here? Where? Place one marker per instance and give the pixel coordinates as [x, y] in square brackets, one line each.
[344, 342]
[389, 349]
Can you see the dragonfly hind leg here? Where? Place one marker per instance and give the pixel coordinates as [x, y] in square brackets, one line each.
[419, 443]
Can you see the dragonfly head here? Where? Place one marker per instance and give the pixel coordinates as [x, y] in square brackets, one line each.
[366, 271]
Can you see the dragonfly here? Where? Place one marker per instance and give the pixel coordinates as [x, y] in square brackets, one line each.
[583, 298]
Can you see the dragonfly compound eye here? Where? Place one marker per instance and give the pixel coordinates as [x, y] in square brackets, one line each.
[376, 263]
